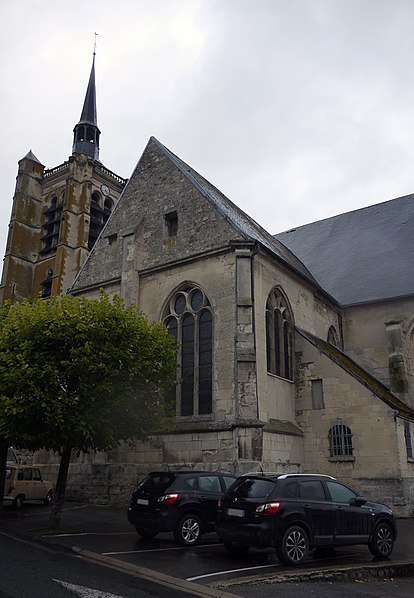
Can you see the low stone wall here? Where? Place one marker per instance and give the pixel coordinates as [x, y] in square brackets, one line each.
[396, 493]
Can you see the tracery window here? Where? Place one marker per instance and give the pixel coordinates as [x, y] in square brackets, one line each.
[190, 321]
[340, 440]
[279, 336]
[333, 337]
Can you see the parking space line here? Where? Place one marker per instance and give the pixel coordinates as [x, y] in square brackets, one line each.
[229, 571]
[158, 549]
[65, 535]
[74, 534]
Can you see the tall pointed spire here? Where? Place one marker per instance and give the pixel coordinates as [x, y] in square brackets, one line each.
[86, 132]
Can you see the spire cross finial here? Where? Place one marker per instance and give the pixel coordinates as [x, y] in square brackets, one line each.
[94, 45]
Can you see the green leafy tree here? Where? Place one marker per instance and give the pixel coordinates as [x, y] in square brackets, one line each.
[80, 374]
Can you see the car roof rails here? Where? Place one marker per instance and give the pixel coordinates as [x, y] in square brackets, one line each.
[307, 475]
[283, 476]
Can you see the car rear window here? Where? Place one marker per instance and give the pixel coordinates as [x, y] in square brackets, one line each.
[252, 488]
[228, 481]
[156, 482]
[185, 483]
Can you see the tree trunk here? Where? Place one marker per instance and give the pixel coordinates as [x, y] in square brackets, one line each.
[59, 493]
[3, 464]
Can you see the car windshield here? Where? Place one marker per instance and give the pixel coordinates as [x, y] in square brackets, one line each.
[8, 474]
[251, 488]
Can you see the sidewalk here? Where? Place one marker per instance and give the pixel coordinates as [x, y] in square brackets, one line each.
[31, 523]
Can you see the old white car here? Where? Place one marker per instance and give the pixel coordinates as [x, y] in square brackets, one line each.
[25, 482]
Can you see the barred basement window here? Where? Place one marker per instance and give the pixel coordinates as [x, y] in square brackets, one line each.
[340, 441]
[190, 322]
[279, 336]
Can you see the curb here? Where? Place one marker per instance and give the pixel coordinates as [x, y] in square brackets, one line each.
[154, 576]
[402, 569]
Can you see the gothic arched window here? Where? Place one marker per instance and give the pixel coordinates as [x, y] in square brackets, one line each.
[190, 322]
[279, 336]
[333, 337]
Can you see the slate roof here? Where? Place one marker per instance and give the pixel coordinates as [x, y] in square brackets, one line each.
[361, 256]
[89, 114]
[359, 373]
[244, 225]
[30, 156]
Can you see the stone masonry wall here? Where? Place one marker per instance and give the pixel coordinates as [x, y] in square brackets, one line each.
[375, 467]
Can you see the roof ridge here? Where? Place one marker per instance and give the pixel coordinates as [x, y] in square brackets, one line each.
[362, 208]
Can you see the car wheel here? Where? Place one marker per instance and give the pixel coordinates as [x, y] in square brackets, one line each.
[382, 542]
[235, 548]
[18, 502]
[188, 530]
[293, 546]
[48, 499]
[146, 533]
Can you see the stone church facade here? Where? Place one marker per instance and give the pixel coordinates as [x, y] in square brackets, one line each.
[296, 351]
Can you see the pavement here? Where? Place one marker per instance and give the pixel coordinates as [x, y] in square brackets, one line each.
[31, 524]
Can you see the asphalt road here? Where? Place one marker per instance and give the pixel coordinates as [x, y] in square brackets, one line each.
[103, 534]
[206, 563]
[30, 571]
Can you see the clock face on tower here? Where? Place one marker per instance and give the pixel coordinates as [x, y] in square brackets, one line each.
[105, 190]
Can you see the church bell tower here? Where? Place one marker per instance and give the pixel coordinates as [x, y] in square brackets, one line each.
[58, 213]
[86, 132]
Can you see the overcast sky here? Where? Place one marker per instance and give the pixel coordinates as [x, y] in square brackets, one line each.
[297, 110]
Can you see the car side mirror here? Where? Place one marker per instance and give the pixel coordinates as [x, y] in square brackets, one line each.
[358, 501]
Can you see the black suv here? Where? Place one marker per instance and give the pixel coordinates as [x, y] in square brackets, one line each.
[184, 502]
[298, 512]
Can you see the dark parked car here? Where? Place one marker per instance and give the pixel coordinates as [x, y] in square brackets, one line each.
[295, 513]
[184, 502]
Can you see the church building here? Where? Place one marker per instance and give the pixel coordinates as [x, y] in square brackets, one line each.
[296, 350]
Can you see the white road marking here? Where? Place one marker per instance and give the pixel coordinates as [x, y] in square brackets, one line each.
[84, 591]
[230, 571]
[64, 535]
[337, 558]
[158, 549]
[89, 534]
